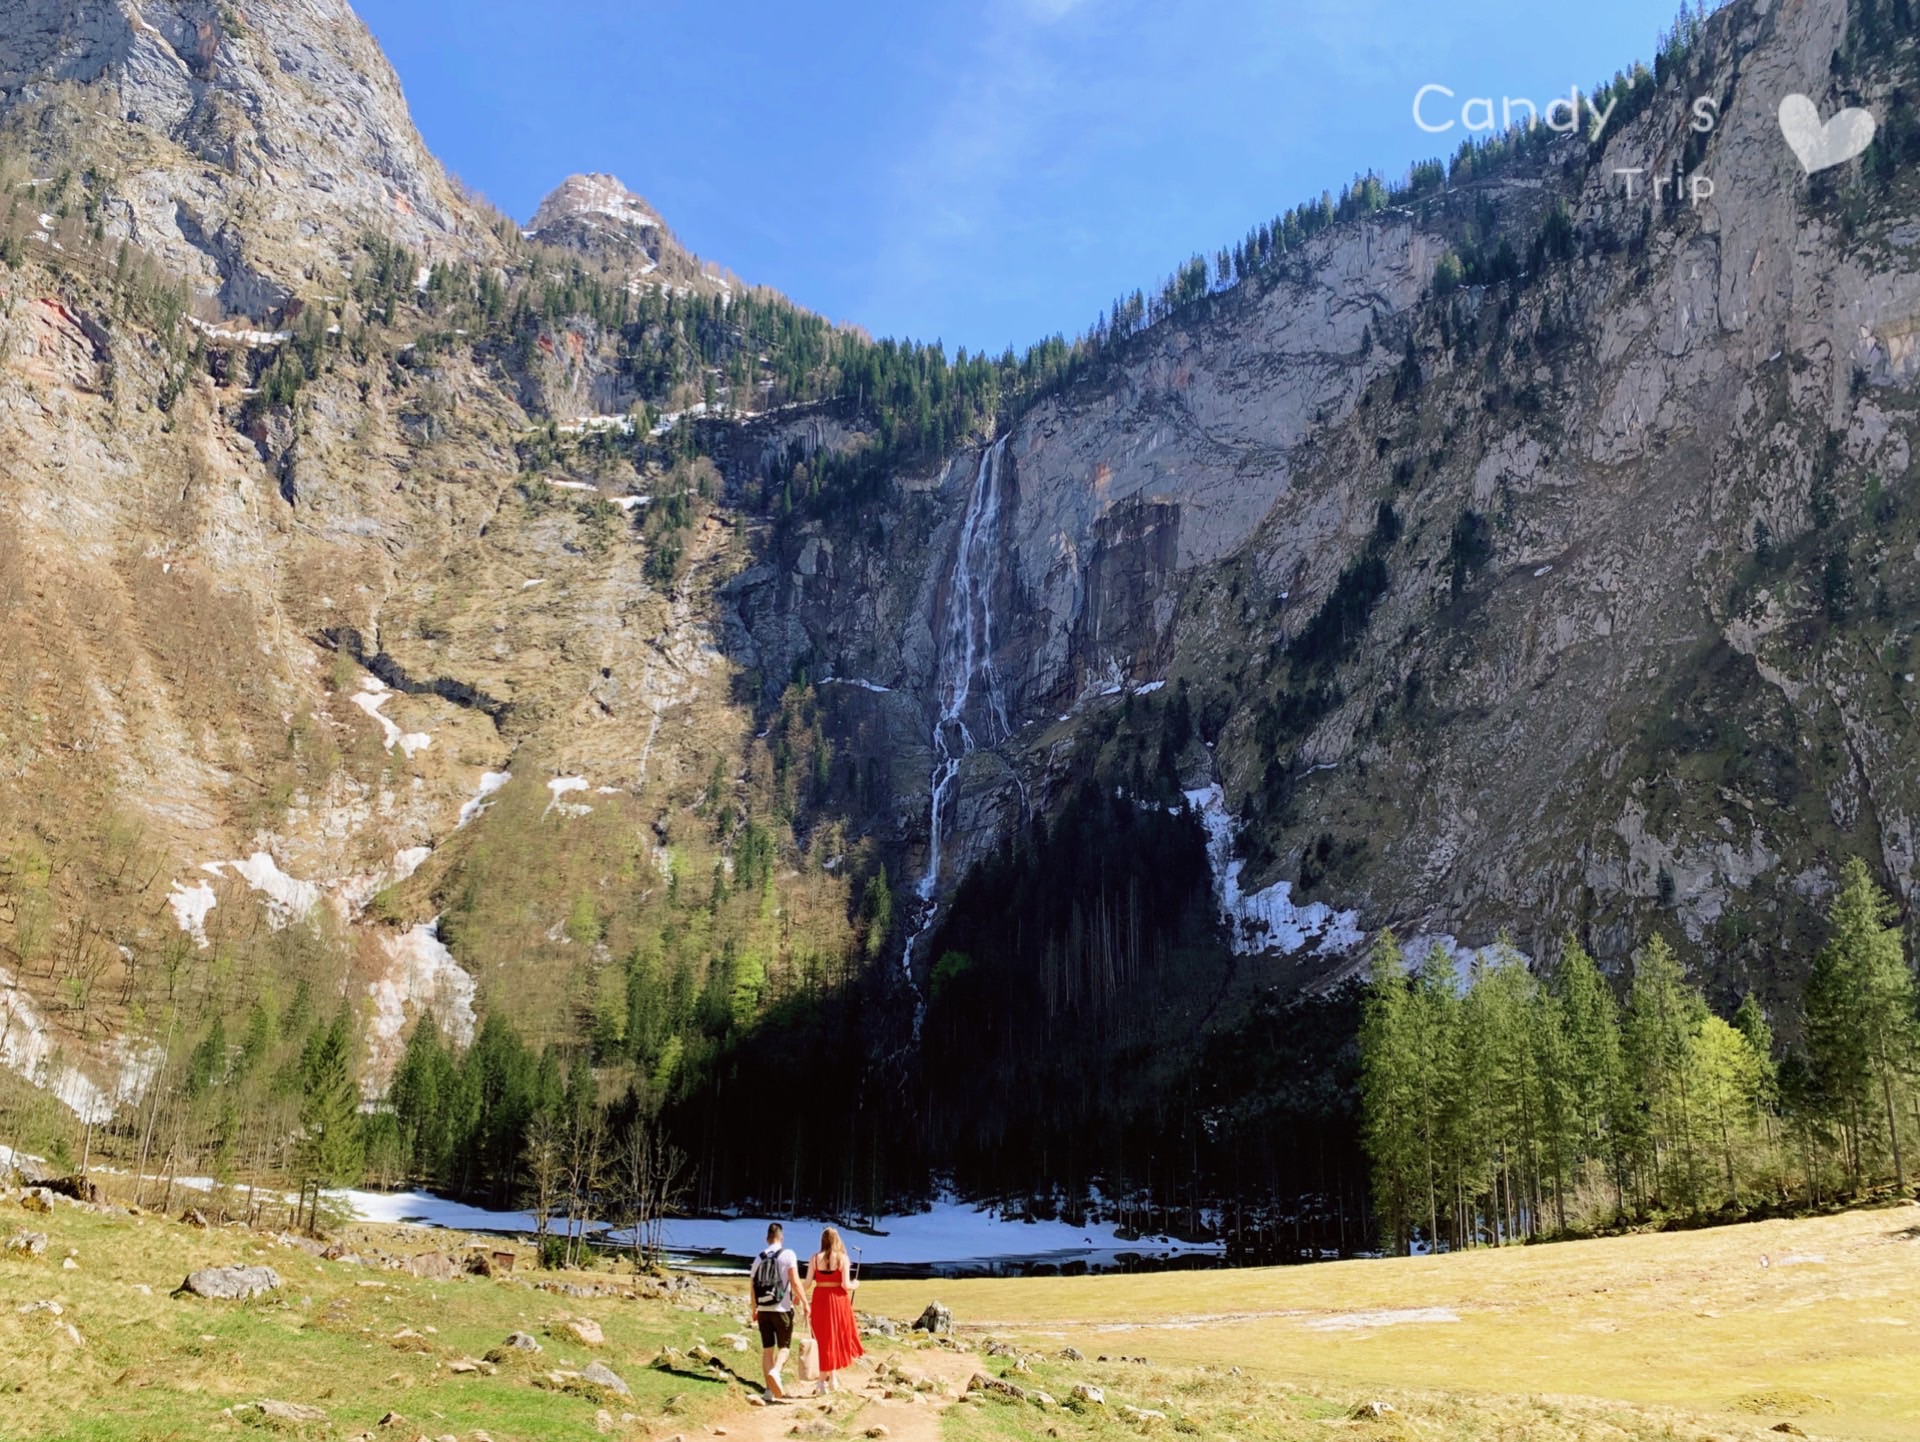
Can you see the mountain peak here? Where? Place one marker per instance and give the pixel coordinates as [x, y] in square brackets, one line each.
[597, 214]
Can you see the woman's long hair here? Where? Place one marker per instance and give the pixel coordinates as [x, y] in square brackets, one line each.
[833, 1252]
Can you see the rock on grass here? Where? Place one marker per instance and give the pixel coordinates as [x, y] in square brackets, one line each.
[230, 1284]
[997, 1387]
[598, 1383]
[280, 1414]
[582, 1330]
[601, 1375]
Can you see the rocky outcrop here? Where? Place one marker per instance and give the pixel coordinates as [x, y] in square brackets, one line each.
[597, 215]
[251, 140]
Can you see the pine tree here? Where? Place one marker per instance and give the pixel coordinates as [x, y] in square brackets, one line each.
[1861, 1013]
[1435, 1013]
[1502, 1097]
[330, 1112]
[1560, 1128]
[1387, 1089]
[1662, 1013]
[1595, 1070]
[207, 1066]
[1725, 1078]
[420, 1096]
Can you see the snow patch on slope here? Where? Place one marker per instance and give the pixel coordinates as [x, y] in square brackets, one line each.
[288, 900]
[1266, 921]
[28, 1048]
[372, 696]
[190, 906]
[420, 974]
[490, 782]
[562, 787]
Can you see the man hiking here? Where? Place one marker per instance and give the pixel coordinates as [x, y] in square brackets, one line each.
[776, 1293]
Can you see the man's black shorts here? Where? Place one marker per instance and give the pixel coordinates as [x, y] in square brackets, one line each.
[776, 1329]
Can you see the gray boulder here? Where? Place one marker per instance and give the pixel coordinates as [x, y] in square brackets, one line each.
[27, 1244]
[230, 1284]
[997, 1387]
[297, 1413]
[935, 1321]
[601, 1375]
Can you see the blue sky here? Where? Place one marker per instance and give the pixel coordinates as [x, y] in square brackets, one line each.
[982, 173]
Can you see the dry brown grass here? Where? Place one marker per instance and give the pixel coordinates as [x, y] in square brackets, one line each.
[1826, 1335]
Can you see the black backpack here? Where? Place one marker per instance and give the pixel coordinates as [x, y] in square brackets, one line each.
[770, 1289]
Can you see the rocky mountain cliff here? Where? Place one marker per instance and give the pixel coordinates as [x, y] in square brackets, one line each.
[1522, 555]
[247, 144]
[1635, 650]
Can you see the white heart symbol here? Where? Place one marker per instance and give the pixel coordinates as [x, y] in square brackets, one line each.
[1821, 146]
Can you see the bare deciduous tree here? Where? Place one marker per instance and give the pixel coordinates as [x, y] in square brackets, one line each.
[651, 1185]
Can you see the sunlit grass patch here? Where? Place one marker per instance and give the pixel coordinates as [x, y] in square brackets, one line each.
[1738, 1324]
[353, 1341]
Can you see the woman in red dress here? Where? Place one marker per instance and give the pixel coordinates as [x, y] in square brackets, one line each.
[831, 1302]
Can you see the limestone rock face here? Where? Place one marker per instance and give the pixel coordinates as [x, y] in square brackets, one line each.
[598, 215]
[252, 140]
[1504, 748]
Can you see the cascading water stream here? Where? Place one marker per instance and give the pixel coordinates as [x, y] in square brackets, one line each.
[964, 656]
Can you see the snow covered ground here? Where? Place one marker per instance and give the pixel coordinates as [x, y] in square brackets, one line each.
[251, 339]
[29, 1049]
[373, 695]
[1266, 921]
[420, 974]
[287, 898]
[190, 906]
[950, 1233]
[563, 787]
[431, 1211]
[490, 782]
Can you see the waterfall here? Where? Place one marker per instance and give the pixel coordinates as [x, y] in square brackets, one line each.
[964, 658]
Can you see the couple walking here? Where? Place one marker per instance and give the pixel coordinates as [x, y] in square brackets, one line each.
[827, 1305]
